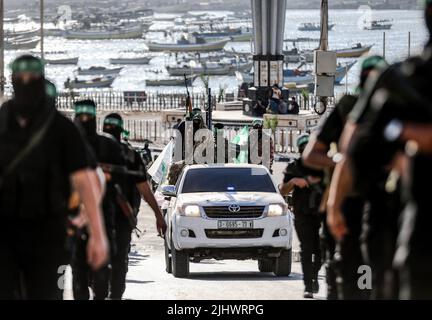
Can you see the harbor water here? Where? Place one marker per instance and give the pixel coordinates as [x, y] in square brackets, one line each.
[347, 32]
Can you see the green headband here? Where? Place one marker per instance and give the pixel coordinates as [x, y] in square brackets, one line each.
[27, 65]
[374, 62]
[85, 108]
[302, 140]
[114, 122]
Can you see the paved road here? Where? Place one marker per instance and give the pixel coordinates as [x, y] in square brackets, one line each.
[211, 279]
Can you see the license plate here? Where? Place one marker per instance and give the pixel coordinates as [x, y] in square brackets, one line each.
[235, 224]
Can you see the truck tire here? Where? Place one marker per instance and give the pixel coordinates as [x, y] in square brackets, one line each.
[282, 266]
[168, 262]
[180, 262]
[266, 265]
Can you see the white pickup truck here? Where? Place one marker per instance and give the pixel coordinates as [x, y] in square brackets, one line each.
[227, 212]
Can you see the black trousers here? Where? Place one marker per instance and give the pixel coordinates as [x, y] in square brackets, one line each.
[348, 253]
[84, 277]
[380, 231]
[328, 249]
[307, 228]
[33, 259]
[120, 259]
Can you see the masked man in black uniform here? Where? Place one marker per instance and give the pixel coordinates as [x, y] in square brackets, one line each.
[375, 145]
[109, 152]
[135, 187]
[305, 183]
[42, 158]
[321, 153]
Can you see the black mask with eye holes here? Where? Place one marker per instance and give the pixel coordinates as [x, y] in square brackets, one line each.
[89, 126]
[114, 131]
[28, 97]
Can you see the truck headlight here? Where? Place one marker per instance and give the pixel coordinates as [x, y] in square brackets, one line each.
[276, 210]
[190, 211]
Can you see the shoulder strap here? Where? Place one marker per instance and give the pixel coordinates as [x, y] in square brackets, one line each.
[33, 143]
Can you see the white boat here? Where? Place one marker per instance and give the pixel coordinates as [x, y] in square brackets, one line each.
[102, 71]
[108, 34]
[178, 81]
[104, 82]
[62, 61]
[209, 68]
[355, 52]
[186, 46]
[26, 44]
[378, 25]
[137, 60]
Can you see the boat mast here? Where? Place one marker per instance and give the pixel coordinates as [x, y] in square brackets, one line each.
[42, 28]
[2, 78]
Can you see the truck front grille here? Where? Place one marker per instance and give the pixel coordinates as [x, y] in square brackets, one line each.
[244, 212]
[234, 233]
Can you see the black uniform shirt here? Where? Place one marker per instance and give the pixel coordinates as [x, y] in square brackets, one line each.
[306, 201]
[40, 185]
[330, 129]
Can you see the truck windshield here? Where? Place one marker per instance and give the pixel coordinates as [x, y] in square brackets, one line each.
[227, 180]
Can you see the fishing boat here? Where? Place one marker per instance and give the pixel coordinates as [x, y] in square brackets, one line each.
[135, 32]
[309, 26]
[104, 82]
[295, 56]
[184, 45]
[179, 81]
[24, 34]
[354, 52]
[102, 71]
[136, 60]
[25, 44]
[378, 25]
[306, 77]
[210, 68]
[235, 34]
[62, 61]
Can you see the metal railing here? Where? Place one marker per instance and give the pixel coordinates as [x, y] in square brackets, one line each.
[138, 101]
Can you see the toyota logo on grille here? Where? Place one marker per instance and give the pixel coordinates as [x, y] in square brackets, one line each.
[234, 208]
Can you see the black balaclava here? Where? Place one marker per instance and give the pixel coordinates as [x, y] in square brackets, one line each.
[28, 97]
[115, 122]
[87, 107]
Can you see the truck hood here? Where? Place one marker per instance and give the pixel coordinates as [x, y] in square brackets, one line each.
[227, 198]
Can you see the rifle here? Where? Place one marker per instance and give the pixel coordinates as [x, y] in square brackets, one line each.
[188, 98]
[123, 170]
[126, 208]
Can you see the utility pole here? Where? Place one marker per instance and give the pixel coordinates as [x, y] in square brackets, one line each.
[2, 42]
[42, 28]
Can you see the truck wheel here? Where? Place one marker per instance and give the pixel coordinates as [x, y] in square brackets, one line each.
[265, 265]
[282, 267]
[180, 262]
[168, 263]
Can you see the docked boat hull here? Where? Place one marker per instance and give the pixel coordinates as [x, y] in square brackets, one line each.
[353, 52]
[219, 71]
[170, 82]
[101, 72]
[89, 84]
[135, 33]
[66, 61]
[203, 47]
[142, 60]
[21, 45]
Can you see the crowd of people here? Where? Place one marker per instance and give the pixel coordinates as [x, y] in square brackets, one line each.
[369, 163]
